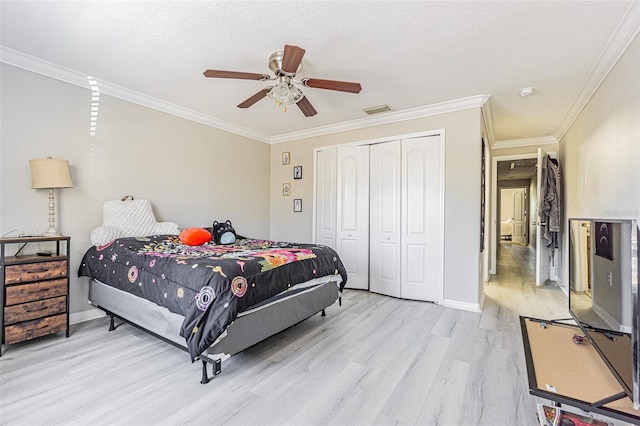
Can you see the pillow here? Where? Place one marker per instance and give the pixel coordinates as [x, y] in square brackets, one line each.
[195, 236]
[223, 233]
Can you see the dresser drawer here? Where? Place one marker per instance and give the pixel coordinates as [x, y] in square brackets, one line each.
[24, 293]
[36, 328]
[33, 310]
[28, 272]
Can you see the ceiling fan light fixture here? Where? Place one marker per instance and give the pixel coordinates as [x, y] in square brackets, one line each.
[285, 93]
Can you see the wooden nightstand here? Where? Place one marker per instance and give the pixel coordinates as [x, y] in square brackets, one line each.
[35, 291]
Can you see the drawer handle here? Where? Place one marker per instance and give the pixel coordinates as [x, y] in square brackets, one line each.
[42, 290]
[37, 271]
[36, 310]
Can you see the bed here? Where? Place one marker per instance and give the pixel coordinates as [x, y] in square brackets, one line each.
[212, 300]
[506, 229]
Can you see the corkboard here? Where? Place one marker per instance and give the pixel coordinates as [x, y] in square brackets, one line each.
[574, 370]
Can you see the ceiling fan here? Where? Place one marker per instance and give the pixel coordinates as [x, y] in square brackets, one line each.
[285, 65]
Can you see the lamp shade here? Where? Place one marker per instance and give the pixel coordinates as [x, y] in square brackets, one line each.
[50, 173]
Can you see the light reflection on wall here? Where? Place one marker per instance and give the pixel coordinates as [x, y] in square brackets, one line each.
[95, 104]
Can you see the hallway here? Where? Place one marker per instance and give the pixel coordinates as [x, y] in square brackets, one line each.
[513, 287]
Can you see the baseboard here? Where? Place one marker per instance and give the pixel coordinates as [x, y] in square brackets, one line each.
[88, 315]
[472, 307]
[563, 286]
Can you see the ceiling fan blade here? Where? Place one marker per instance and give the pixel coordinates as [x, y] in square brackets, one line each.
[340, 86]
[305, 106]
[235, 74]
[253, 99]
[291, 58]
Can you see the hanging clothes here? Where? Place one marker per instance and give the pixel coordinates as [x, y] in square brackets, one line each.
[549, 201]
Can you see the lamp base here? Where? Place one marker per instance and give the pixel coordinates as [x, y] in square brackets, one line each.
[51, 232]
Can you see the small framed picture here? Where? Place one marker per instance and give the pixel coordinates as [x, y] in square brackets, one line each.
[297, 172]
[297, 205]
[286, 157]
[286, 189]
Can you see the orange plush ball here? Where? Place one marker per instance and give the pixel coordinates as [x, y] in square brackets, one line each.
[195, 236]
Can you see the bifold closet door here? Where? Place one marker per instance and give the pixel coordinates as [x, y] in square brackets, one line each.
[385, 228]
[353, 214]
[326, 198]
[422, 261]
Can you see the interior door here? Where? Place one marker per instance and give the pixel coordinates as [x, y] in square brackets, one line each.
[326, 198]
[519, 230]
[543, 254]
[421, 218]
[353, 214]
[385, 250]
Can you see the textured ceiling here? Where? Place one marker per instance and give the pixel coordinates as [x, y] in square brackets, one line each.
[407, 54]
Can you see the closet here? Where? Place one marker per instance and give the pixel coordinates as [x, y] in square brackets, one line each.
[381, 207]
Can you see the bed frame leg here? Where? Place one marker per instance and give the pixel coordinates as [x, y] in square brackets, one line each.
[205, 377]
[340, 301]
[324, 314]
[215, 369]
[112, 323]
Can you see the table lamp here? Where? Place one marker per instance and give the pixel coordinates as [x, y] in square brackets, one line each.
[49, 174]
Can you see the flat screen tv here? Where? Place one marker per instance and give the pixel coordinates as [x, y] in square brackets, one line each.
[603, 294]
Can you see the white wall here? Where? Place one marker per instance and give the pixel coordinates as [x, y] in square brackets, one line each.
[191, 173]
[463, 285]
[601, 151]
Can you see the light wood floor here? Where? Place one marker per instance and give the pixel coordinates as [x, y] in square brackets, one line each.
[375, 360]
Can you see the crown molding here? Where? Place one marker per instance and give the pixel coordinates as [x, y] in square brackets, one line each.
[49, 69]
[487, 118]
[519, 143]
[617, 45]
[39, 66]
[391, 117]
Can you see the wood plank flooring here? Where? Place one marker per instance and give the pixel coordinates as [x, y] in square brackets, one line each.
[375, 360]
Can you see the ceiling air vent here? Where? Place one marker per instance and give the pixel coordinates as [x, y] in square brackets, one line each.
[377, 109]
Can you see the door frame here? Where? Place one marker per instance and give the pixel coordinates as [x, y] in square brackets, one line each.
[434, 132]
[493, 239]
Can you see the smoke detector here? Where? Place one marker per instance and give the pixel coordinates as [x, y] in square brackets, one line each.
[526, 91]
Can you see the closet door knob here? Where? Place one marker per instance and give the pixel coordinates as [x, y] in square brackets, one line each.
[388, 238]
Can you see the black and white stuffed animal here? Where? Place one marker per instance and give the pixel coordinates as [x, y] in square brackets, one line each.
[223, 232]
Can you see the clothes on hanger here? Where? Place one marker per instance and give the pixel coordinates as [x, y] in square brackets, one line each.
[549, 201]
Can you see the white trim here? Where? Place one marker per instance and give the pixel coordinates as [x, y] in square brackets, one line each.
[443, 192]
[493, 246]
[40, 66]
[487, 118]
[88, 315]
[622, 37]
[519, 143]
[562, 286]
[465, 306]
[391, 117]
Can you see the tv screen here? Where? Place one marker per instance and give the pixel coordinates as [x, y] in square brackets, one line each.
[603, 293]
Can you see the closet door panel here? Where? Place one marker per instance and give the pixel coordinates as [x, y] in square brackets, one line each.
[385, 277]
[353, 214]
[421, 219]
[326, 198]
